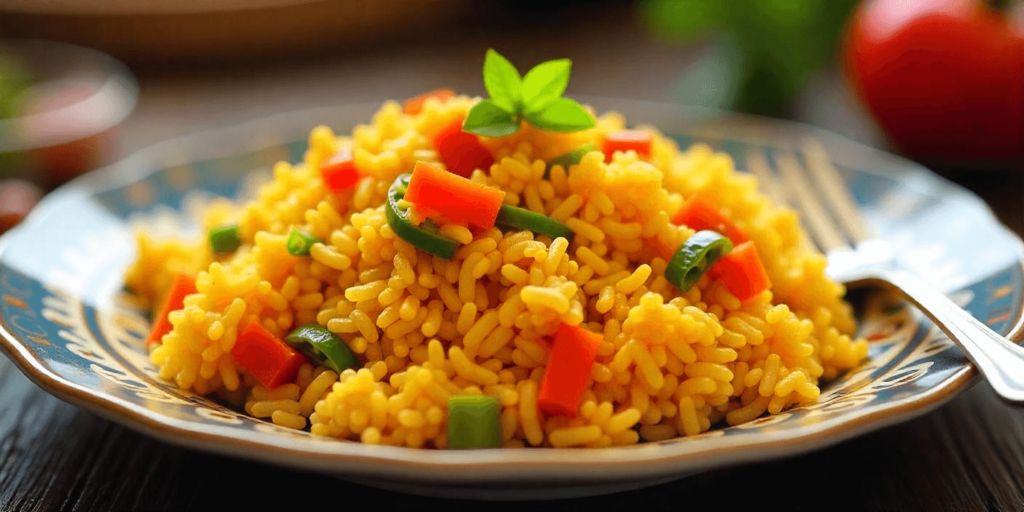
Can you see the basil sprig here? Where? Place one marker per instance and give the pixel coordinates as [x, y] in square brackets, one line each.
[535, 98]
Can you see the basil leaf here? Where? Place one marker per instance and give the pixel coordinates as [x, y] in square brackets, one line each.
[490, 120]
[562, 115]
[502, 81]
[545, 83]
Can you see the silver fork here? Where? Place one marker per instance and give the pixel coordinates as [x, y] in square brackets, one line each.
[855, 256]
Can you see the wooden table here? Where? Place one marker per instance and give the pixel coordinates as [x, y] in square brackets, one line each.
[967, 455]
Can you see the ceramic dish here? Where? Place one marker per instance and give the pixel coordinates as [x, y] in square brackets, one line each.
[68, 324]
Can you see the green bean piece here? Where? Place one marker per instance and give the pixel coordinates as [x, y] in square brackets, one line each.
[571, 158]
[426, 237]
[300, 243]
[323, 347]
[474, 422]
[694, 257]
[523, 219]
[225, 239]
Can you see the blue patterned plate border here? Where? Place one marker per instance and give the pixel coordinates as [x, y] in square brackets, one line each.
[67, 324]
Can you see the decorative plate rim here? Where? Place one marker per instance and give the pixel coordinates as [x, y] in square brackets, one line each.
[395, 463]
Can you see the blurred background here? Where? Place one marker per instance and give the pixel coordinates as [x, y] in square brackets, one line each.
[940, 81]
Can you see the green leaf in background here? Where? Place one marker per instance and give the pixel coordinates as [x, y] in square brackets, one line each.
[721, 64]
[683, 21]
[502, 81]
[562, 115]
[767, 50]
[14, 80]
[490, 120]
[545, 83]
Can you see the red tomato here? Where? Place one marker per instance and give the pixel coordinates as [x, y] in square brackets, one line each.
[64, 161]
[943, 78]
[17, 198]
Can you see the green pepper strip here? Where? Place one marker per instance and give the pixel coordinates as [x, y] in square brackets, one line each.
[474, 422]
[521, 218]
[426, 237]
[695, 256]
[225, 239]
[299, 243]
[570, 158]
[322, 347]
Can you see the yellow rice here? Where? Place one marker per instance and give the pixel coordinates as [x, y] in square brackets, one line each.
[671, 364]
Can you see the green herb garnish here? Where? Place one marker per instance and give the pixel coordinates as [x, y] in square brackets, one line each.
[535, 98]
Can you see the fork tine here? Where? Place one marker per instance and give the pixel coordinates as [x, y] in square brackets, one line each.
[824, 232]
[827, 177]
[758, 166]
[769, 185]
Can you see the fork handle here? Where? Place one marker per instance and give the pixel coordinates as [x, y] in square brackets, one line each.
[999, 360]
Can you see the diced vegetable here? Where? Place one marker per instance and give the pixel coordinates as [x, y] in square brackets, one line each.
[225, 239]
[322, 347]
[413, 106]
[742, 272]
[659, 248]
[474, 421]
[425, 237]
[267, 358]
[700, 213]
[339, 172]
[571, 158]
[452, 198]
[625, 140]
[694, 257]
[182, 287]
[523, 219]
[461, 152]
[569, 366]
[299, 243]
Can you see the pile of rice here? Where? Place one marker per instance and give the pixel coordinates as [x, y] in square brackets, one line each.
[426, 328]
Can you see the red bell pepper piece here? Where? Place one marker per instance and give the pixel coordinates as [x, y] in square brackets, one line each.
[569, 366]
[659, 248]
[267, 358]
[700, 213]
[742, 272]
[453, 199]
[625, 140]
[182, 287]
[414, 105]
[339, 171]
[461, 152]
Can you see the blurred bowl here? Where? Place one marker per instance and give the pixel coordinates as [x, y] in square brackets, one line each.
[67, 119]
[187, 32]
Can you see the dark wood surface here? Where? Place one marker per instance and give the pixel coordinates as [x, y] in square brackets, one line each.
[967, 455]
